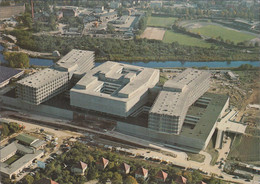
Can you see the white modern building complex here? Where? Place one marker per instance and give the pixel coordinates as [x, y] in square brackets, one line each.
[114, 88]
[169, 110]
[42, 86]
[49, 82]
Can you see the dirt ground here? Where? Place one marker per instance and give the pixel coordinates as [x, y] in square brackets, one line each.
[153, 33]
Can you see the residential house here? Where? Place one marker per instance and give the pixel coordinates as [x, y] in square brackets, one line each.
[181, 180]
[161, 176]
[141, 173]
[80, 168]
[125, 168]
[102, 163]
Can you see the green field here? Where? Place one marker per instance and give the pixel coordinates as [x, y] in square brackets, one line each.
[183, 39]
[225, 33]
[245, 148]
[160, 21]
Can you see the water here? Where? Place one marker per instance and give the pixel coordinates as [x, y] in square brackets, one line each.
[157, 64]
[210, 64]
[33, 61]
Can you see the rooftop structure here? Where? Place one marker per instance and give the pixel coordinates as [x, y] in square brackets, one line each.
[49, 82]
[28, 155]
[26, 139]
[114, 88]
[9, 11]
[141, 173]
[200, 123]
[168, 112]
[6, 74]
[76, 61]
[42, 86]
[161, 176]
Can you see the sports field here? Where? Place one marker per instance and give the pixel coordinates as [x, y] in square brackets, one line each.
[183, 39]
[155, 21]
[225, 33]
[153, 33]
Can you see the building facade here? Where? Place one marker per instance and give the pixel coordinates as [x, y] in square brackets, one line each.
[169, 110]
[114, 88]
[50, 82]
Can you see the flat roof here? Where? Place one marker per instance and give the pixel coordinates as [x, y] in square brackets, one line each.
[29, 156]
[74, 57]
[173, 97]
[26, 138]
[7, 73]
[128, 79]
[41, 78]
[207, 119]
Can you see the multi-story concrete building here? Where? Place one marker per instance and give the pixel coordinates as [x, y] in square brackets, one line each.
[114, 88]
[76, 62]
[42, 86]
[169, 110]
[49, 82]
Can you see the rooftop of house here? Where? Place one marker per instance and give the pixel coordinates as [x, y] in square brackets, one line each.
[142, 171]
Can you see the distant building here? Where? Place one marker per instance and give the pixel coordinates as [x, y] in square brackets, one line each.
[107, 16]
[161, 176]
[102, 163]
[6, 74]
[156, 4]
[125, 168]
[70, 12]
[231, 75]
[80, 168]
[115, 5]
[141, 173]
[9, 11]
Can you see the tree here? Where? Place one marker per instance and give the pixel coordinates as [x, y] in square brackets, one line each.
[196, 176]
[117, 178]
[130, 180]
[28, 179]
[5, 130]
[92, 173]
[17, 59]
[110, 28]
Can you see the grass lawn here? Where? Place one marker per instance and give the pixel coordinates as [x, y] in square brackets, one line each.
[245, 149]
[13, 159]
[225, 33]
[183, 39]
[196, 157]
[160, 21]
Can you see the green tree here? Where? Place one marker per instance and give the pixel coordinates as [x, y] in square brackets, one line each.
[130, 180]
[5, 130]
[117, 178]
[17, 59]
[28, 179]
[92, 173]
[110, 28]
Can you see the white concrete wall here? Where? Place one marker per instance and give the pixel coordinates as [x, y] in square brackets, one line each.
[148, 134]
[43, 109]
